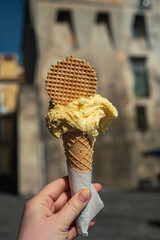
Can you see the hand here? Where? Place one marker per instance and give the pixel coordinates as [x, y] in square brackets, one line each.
[51, 213]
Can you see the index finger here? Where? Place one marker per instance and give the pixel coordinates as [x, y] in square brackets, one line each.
[55, 188]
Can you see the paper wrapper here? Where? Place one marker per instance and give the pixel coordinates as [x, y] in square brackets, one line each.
[78, 180]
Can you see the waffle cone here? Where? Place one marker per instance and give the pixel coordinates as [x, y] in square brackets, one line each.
[68, 80]
[78, 150]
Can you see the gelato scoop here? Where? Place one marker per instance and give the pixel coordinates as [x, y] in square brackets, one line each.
[87, 115]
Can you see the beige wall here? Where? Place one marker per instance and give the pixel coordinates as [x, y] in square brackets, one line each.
[28, 142]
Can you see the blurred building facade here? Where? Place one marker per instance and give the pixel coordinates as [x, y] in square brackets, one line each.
[11, 75]
[122, 40]
[19, 122]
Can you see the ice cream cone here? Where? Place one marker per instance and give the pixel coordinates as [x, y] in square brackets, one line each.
[68, 80]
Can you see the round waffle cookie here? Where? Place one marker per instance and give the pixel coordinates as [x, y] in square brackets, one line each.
[71, 79]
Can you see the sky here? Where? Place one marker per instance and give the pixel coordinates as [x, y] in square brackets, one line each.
[11, 26]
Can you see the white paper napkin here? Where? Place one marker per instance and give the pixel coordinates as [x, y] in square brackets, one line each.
[78, 180]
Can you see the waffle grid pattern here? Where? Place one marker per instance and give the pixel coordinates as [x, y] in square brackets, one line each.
[70, 79]
[78, 150]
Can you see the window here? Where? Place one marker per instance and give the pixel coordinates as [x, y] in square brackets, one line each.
[65, 16]
[2, 129]
[8, 57]
[140, 77]
[141, 118]
[7, 128]
[105, 18]
[1, 165]
[139, 27]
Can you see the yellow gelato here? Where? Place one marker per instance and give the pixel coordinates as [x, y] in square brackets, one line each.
[87, 115]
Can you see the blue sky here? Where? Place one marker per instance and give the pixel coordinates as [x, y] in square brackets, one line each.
[11, 26]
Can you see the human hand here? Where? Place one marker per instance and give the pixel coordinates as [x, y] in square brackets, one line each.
[51, 213]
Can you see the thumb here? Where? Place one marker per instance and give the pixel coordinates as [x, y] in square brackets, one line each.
[74, 207]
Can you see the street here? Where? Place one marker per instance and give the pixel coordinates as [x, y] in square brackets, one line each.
[128, 215]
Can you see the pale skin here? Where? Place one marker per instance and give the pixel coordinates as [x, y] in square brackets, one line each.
[51, 213]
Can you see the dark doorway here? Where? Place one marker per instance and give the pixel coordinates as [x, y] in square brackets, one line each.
[8, 153]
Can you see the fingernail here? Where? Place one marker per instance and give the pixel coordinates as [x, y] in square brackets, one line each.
[84, 195]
